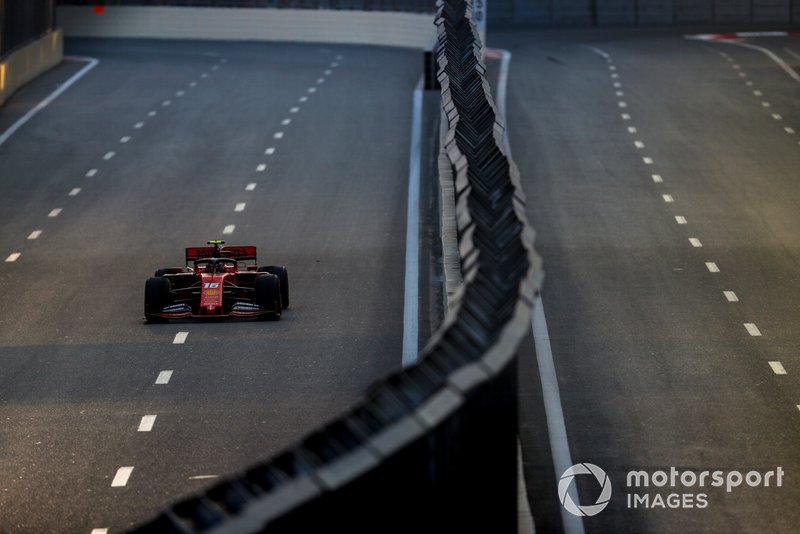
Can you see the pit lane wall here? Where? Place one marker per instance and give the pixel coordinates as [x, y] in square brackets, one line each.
[432, 448]
[411, 30]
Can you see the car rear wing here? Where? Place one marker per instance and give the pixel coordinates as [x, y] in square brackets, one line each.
[246, 253]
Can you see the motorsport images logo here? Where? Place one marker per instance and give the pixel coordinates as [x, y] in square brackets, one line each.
[687, 488]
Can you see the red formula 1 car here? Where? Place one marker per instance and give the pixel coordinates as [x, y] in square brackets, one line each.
[217, 282]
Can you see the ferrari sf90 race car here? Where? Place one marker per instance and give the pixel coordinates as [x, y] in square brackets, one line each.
[218, 281]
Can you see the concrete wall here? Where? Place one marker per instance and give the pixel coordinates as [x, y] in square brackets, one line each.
[411, 30]
[29, 61]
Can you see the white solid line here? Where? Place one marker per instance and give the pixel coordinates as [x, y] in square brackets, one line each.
[632, 129]
[14, 256]
[712, 267]
[776, 116]
[657, 178]
[240, 206]
[695, 242]
[303, 99]
[556, 426]
[203, 477]
[278, 135]
[622, 104]
[294, 110]
[626, 117]
[250, 187]
[35, 234]
[411, 290]
[285, 122]
[75, 191]
[792, 53]
[122, 476]
[164, 376]
[125, 139]
[146, 424]
[152, 114]
[668, 198]
[680, 219]
[777, 368]
[773, 56]
[54, 213]
[52, 96]
[648, 161]
[91, 172]
[261, 167]
[789, 130]
[638, 144]
[730, 296]
[270, 151]
[752, 329]
[229, 229]
[765, 104]
[166, 103]
[312, 89]
[180, 338]
[109, 155]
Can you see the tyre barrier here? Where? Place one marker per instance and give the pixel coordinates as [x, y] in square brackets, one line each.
[431, 448]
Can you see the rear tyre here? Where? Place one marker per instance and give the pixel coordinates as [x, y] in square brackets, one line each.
[268, 294]
[156, 297]
[283, 276]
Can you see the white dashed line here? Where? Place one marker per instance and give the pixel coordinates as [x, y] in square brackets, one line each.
[164, 377]
[91, 172]
[712, 267]
[35, 234]
[192, 84]
[680, 219]
[286, 122]
[777, 368]
[620, 93]
[312, 89]
[695, 242]
[776, 116]
[223, 60]
[626, 117]
[647, 161]
[75, 192]
[261, 167]
[215, 67]
[99, 531]
[138, 125]
[638, 144]
[270, 151]
[632, 129]
[617, 85]
[166, 103]
[152, 114]
[735, 66]
[789, 130]
[742, 75]
[303, 99]
[146, 424]
[622, 104]
[765, 104]
[180, 338]
[657, 178]
[730, 296]
[14, 256]
[203, 477]
[180, 93]
[320, 80]
[240, 206]
[328, 72]
[229, 229]
[615, 75]
[758, 93]
[250, 187]
[668, 198]
[125, 139]
[334, 65]
[109, 155]
[752, 329]
[748, 83]
[122, 476]
[204, 75]
[278, 135]
[294, 110]
[54, 213]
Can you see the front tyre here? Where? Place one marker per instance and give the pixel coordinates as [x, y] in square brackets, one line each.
[283, 276]
[268, 294]
[156, 297]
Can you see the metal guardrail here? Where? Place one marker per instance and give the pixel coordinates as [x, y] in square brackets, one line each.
[414, 6]
[432, 448]
[22, 21]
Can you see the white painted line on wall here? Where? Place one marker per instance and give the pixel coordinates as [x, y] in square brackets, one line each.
[229, 229]
[411, 290]
[712, 267]
[777, 368]
[180, 338]
[164, 377]
[122, 476]
[730, 296]
[14, 256]
[752, 329]
[92, 63]
[35, 234]
[147, 422]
